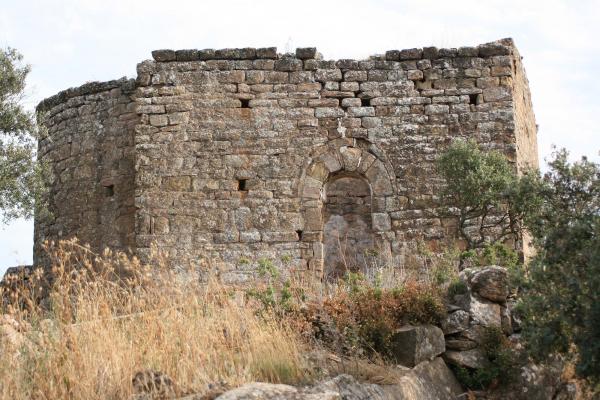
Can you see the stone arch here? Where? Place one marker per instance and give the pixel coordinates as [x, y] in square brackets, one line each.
[338, 159]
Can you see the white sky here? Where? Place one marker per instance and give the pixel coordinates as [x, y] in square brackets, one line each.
[71, 42]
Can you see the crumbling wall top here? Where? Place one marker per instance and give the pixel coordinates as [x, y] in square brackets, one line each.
[497, 48]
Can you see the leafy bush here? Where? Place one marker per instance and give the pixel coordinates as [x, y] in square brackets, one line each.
[484, 194]
[561, 285]
[457, 286]
[562, 295]
[366, 316]
[501, 365]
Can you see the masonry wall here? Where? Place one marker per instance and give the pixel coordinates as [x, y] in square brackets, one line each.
[243, 154]
[89, 149]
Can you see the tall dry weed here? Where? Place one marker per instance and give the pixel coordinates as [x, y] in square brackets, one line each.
[86, 331]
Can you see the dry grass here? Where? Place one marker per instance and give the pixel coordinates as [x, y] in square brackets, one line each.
[109, 317]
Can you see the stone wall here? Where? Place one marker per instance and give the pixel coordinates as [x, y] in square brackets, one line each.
[89, 147]
[237, 149]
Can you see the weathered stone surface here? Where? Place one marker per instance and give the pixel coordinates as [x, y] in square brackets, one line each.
[169, 157]
[457, 321]
[484, 312]
[164, 55]
[430, 380]
[491, 283]
[413, 344]
[271, 391]
[460, 344]
[305, 53]
[469, 358]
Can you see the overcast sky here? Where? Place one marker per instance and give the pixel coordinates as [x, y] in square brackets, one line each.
[71, 42]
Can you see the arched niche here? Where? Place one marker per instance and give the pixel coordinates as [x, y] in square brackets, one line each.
[333, 170]
[347, 226]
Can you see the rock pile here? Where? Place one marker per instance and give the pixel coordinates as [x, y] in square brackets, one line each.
[482, 305]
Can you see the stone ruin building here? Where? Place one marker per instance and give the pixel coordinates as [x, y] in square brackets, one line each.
[223, 156]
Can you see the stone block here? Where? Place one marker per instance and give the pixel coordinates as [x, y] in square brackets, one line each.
[431, 53]
[249, 236]
[392, 55]
[266, 52]
[455, 322]
[288, 64]
[325, 75]
[177, 183]
[164, 55]
[247, 53]
[491, 283]
[361, 111]
[381, 222]
[206, 54]
[412, 345]
[313, 219]
[329, 112]
[159, 120]
[304, 53]
[187, 55]
[351, 102]
[415, 75]
[350, 157]
[473, 359]
[493, 49]
[411, 54]
[436, 109]
[484, 312]
[498, 93]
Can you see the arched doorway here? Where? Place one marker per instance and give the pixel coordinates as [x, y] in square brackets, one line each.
[347, 232]
[344, 190]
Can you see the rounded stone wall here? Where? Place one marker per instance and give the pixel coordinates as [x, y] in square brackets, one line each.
[90, 155]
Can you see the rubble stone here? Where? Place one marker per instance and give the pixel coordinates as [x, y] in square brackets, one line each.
[413, 344]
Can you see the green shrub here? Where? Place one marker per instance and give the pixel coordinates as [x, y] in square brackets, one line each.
[561, 300]
[501, 364]
[457, 287]
[367, 315]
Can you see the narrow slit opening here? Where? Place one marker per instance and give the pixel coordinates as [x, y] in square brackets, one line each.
[365, 102]
[109, 191]
[472, 99]
[245, 103]
[242, 185]
[299, 233]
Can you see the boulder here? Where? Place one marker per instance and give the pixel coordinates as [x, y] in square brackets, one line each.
[460, 344]
[271, 391]
[491, 283]
[484, 312]
[474, 333]
[411, 345]
[469, 358]
[457, 321]
[430, 380]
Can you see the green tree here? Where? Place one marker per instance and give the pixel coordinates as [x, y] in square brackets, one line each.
[21, 176]
[562, 296]
[486, 196]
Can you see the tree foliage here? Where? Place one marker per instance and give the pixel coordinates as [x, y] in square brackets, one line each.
[21, 176]
[488, 198]
[561, 210]
[562, 295]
